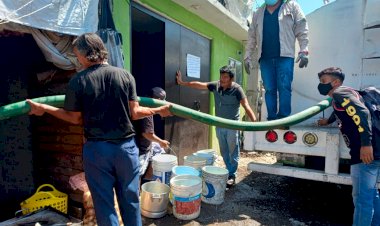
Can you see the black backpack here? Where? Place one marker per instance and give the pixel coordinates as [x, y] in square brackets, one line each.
[371, 97]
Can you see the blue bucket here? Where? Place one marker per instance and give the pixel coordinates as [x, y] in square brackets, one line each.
[185, 170]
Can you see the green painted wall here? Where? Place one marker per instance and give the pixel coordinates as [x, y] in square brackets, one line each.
[121, 15]
[222, 45]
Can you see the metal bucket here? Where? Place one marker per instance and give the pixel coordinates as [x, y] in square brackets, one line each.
[154, 199]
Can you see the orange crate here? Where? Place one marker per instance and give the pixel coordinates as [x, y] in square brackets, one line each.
[54, 198]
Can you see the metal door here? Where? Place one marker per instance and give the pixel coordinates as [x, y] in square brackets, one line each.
[371, 48]
[186, 136]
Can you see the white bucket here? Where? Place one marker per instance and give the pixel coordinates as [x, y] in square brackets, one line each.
[195, 161]
[186, 191]
[154, 199]
[208, 154]
[214, 184]
[162, 167]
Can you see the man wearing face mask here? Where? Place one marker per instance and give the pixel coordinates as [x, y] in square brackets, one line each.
[273, 31]
[363, 142]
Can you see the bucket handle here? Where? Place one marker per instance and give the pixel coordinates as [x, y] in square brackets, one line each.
[46, 185]
[156, 196]
[171, 150]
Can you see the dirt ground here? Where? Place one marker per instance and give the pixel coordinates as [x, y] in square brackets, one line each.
[263, 199]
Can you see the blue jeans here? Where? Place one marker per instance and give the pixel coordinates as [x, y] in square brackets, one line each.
[365, 194]
[229, 148]
[110, 166]
[277, 76]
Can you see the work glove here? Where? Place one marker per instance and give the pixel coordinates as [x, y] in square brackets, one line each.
[303, 59]
[247, 65]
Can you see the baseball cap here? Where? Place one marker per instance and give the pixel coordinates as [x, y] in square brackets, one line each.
[158, 93]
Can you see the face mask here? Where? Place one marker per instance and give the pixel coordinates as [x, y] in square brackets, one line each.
[324, 89]
[271, 2]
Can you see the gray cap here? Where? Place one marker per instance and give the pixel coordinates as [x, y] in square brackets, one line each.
[158, 93]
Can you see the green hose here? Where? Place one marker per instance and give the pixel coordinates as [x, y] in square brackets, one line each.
[185, 112]
[22, 107]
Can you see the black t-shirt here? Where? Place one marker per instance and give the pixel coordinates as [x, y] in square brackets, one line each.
[355, 122]
[144, 125]
[102, 93]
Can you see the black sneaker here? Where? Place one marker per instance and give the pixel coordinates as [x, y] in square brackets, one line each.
[230, 181]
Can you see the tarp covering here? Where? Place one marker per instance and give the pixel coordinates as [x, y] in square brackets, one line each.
[56, 47]
[64, 16]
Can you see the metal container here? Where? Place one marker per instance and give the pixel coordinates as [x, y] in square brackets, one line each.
[154, 199]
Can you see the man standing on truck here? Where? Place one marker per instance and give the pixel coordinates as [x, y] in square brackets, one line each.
[273, 31]
[363, 141]
[228, 97]
[104, 99]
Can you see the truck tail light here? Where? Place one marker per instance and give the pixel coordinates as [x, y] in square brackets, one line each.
[310, 139]
[290, 137]
[271, 136]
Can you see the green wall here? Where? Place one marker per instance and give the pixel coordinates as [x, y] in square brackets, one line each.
[222, 45]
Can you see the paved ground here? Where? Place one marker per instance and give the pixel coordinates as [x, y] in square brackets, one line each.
[262, 199]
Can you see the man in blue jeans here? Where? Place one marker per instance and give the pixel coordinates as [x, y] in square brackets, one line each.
[273, 32]
[228, 98]
[362, 138]
[103, 98]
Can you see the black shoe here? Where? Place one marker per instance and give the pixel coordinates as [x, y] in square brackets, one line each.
[230, 181]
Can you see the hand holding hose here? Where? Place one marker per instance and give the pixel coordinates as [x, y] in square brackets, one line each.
[35, 108]
[164, 111]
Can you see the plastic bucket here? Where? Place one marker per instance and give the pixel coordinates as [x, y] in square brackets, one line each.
[162, 167]
[195, 161]
[185, 170]
[214, 184]
[208, 154]
[186, 191]
[154, 199]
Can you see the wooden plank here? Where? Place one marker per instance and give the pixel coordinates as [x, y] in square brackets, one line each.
[61, 138]
[61, 159]
[56, 129]
[68, 148]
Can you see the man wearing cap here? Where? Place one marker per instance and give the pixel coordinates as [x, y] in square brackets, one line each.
[229, 96]
[362, 140]
[148, 142]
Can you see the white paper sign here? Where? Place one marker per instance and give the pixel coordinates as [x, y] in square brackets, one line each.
[193, 66]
